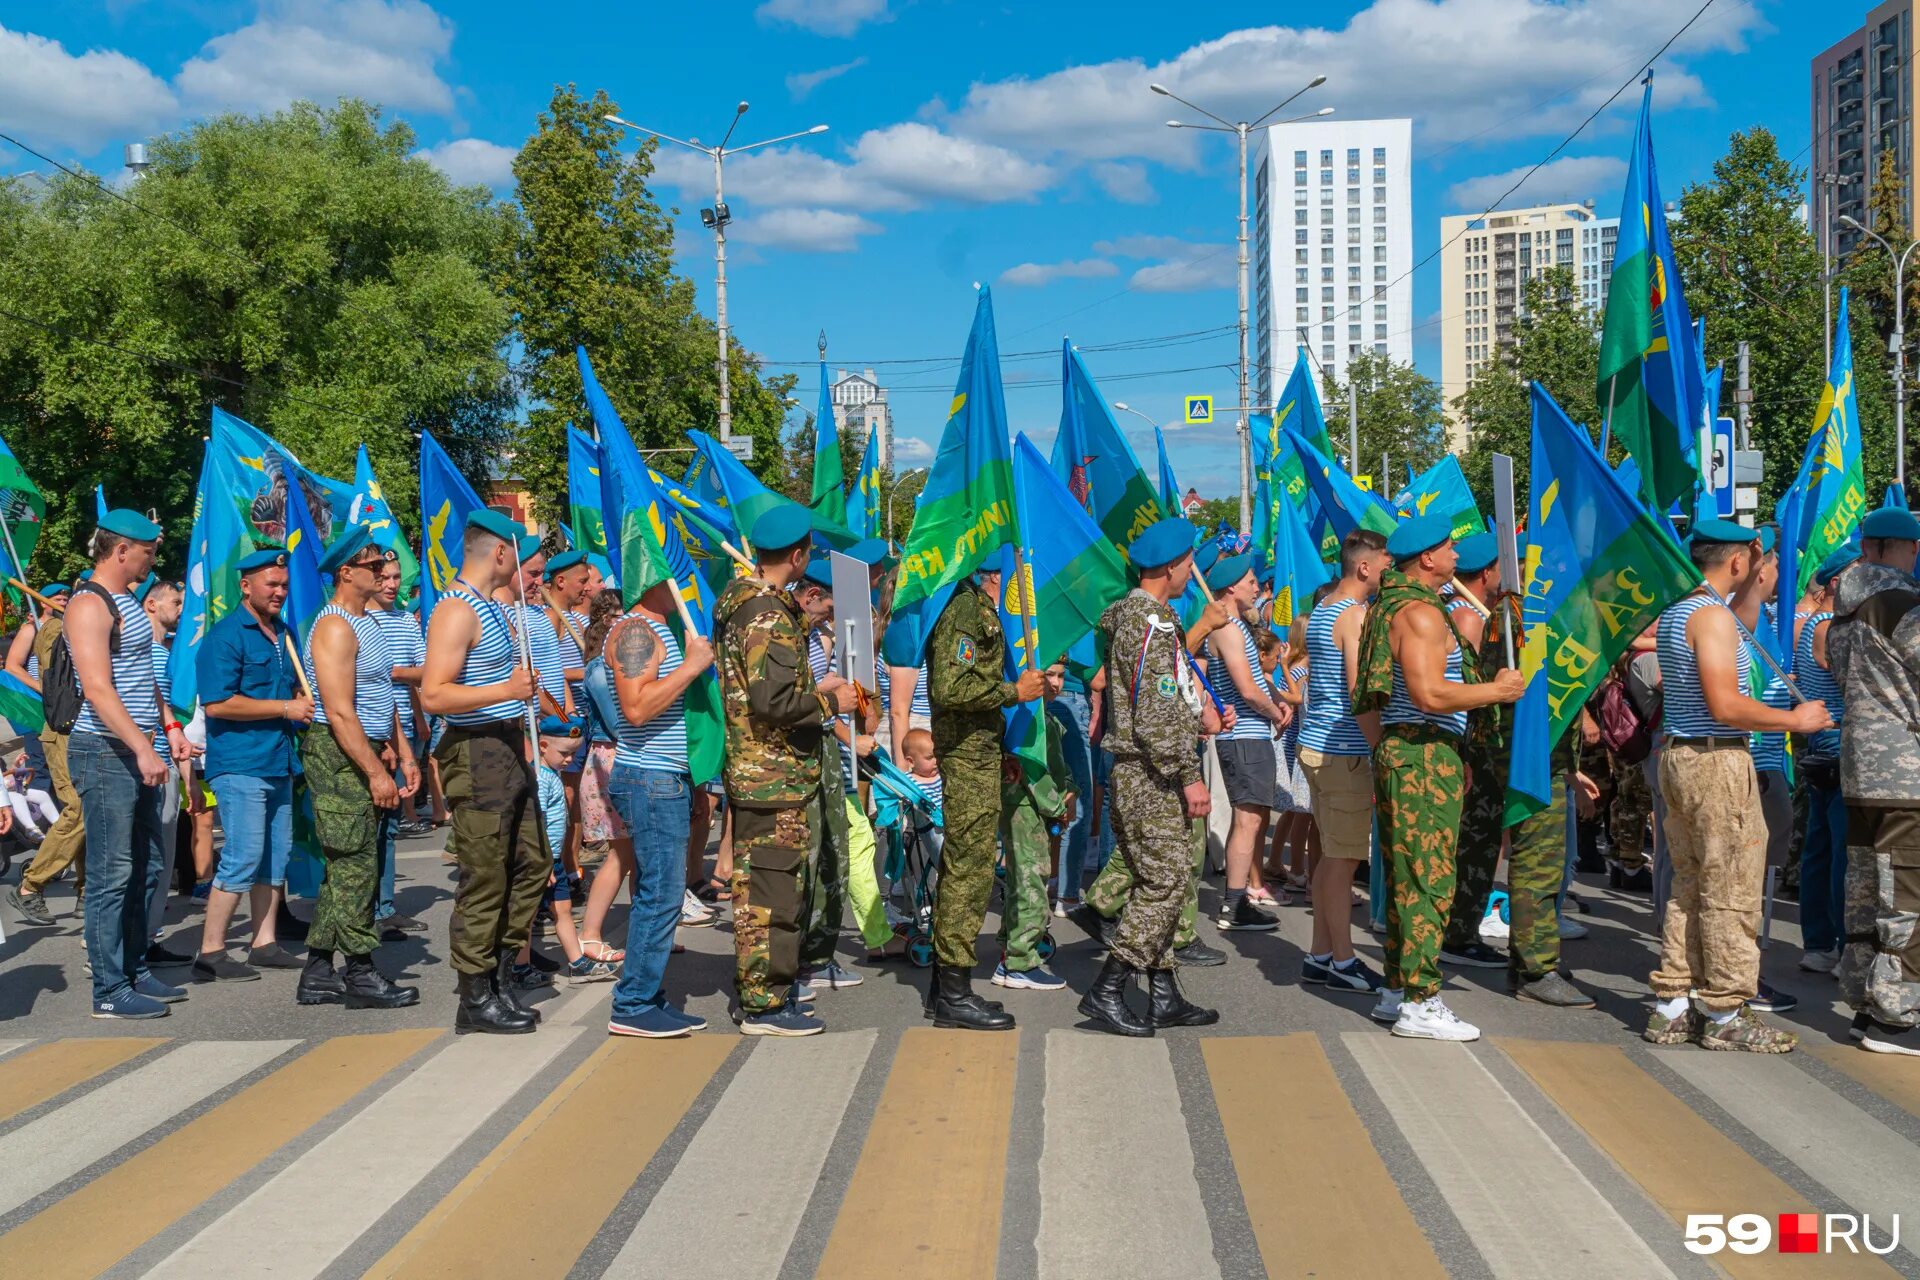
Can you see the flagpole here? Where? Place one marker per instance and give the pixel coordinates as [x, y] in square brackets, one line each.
[1026, 607]
[19, 568]
[526, 654]
[1606, 423]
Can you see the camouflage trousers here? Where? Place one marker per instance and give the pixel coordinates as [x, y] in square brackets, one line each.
[1627, 819]
[971, 808]
[348, 828]
[498, 840]
[1880, 967]
[827, 885]
[1153, 835]
[1536, 863]
[1716, 839]
[1023, 841]
[1478, 855]
[65, 843]
[1417, 793]
[774, 852]
[1109, 890]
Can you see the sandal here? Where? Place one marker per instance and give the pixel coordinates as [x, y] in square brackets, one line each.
[604, 953]
[714, 890]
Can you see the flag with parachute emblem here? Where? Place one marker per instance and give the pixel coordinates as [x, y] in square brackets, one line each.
[369, 507]
[1442, 487]
[1093, 459]
[1831, 484]
[446, 499]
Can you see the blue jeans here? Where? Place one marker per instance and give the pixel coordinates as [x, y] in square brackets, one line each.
[1823, 870]
[657, 808]
[1072, 711]
[256, 815]
[124, 859]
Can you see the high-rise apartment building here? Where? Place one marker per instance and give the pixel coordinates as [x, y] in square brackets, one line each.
[1864, 90]
[1333, 246]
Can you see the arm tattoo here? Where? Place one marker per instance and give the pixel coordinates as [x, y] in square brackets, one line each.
[633, 649]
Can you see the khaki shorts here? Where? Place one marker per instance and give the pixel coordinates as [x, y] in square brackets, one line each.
[1341, 788]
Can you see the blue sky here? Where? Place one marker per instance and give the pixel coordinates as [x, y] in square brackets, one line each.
[1014, 144]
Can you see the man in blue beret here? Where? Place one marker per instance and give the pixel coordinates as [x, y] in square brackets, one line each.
[474, 677]
[255, 706]
[1716, 833]
[563, 600]
[1873, 648]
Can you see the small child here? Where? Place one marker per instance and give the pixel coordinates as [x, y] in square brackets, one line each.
[26, 800]
[918, 746]
[559, 743]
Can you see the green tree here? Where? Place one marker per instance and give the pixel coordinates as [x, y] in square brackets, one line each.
[589, 261]
[1401, 411]
[296, 269]
[1868, 274]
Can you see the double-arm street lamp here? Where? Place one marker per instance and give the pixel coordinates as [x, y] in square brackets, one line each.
[1898, 345]
[1240, 130]
[717, 218]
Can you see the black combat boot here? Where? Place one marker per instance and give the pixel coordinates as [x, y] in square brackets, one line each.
[956, 1005]
[481, 1009]
[1172, 1009]
[1106, 1001]
[367, 988]
[319, 984]
[503, 983]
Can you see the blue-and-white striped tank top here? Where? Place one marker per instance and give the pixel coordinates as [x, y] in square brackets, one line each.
[822, 666]
[1248, 724]
[572, 656]
[373, 686]
[407, 648]
[1290, 737]
[161, 653]
[132, 672]
[1817, 682]
[1684, 709]
[1328, 726]
[543, 642]
[490, 661]
[1400, 708]
[660, 743]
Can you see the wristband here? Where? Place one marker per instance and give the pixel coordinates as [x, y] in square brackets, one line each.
[174, 724]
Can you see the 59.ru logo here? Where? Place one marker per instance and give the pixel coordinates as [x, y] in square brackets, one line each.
[1797, 1233]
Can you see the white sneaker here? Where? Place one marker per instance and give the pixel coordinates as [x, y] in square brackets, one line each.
[1430, 1019]
[1820, 961]
[1388, 1009]
[1493, 928]
[694, 913]
[1569, 930]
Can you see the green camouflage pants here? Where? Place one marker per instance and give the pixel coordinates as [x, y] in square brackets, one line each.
[1108, 892]
[1479, 853]
[774, 851]
[498, 840]
[348, 827]
[1153, 835]
[1417, 786]
[1023, 837]
[971, 808]
[827, 885]
[1627, 819]
[1536, 861]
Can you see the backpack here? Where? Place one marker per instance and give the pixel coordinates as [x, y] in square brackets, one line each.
[60, 694]
[1625, 728]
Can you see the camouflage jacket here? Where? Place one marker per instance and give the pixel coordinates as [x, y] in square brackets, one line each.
[966, 655]
[1049, 791]
[1154, 721]
[1373, 684]
[1873, 650]
[774, 713]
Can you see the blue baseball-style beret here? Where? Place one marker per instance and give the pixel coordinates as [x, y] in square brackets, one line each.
[1266, 576]
[129, 523]
[1161, 543]
[820, 574]
[1768, 539]
[264, 558]
[1421, 533]
[868, 550]
[53, 589]
[1477, 551]
[1228, 570]
[780, 526]
[146, 585]
[1207, 555]
[1714, 529]
[1843, 555]
[565, 561]
[345, 547]
[559, 727]
[1897, 523]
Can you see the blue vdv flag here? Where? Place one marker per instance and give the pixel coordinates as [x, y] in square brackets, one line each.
[1093, 459]
[307, 591]
[1169, 486]
[1298, 571]
[863, 504]
[1443, 488]
[446, 500]
[586, 526]
[1345, 504]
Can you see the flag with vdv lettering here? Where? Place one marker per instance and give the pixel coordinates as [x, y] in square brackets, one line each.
[1832, 485]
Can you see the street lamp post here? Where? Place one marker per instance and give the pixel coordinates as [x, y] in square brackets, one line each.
[1897, 346]
[1240, 130]
[717, 218]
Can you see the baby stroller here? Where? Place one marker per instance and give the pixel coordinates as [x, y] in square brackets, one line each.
[911, 822]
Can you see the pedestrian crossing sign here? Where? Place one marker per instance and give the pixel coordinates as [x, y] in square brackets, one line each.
[1199, 410]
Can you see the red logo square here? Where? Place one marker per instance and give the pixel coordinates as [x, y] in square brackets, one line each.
[1799, 1233]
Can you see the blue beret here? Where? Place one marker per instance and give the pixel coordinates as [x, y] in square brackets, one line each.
[565, 561]
[1266, 576]
[1207, 555]
[345, 547]
[85, 574]
[1891, 522]
[820, 574]
[1228, 570]
[1421, 533]
[146, 585]
[782, 525]
[1830, 568]
[56, 589]
[559, 727]
[1713, 529]
[868, 550]
[264, 558]
[1769, 538]
[1161, 543]
[129, 523]
[1477, 551]
[509, 531]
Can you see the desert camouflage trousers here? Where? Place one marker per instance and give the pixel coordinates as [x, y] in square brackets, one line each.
[1418, 787]
[1717, 842]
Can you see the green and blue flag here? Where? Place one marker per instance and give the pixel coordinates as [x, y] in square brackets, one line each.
[22, 511]
[1298, 571]
[1093, 459]
[1345, 504]
[829, 474]
[1442, 487]
[369, 507]
[446, 499]
[586, 527]
[863, 504]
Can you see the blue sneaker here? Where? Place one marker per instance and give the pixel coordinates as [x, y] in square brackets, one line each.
[130, 1006]
[649, 1024]
[154, 989]
[801, 993]
[1312, 970]
[1035, 979]
[693, 1020]
[831, 976]
[1353, 978]
[784, 1021]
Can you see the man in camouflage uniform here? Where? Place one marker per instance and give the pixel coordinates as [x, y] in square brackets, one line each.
[775, 725]
[1106, 898]
[350, 764]
[966, 655]
[1413, 671]
[1627, 821]
[1484, 753]
[1028, 806]
[1156, 789]
[1873, 650]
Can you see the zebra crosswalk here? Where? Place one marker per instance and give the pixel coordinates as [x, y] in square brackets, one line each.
[1058, 1154]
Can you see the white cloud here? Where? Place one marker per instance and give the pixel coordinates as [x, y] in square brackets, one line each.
[1035, 274]
[1183, 267]
[910, 451]
[81, 101]
[471, 161]
[825, 17]
[386, 51]
[802, 83]
[1568, 179]
[803, 230]
[1124, 182]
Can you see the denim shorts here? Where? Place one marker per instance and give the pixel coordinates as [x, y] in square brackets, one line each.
[256, 817]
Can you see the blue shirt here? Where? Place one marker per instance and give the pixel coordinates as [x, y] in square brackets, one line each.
[238, 660]
[553, 810]
[1817, 682]
[132, 673]
[1400, 708]
[161, 746]
[1330, 727]
[1247, 723]
[407, 646]
[490, 661]
[373, 686]
[1683, 707]
[660, 743]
